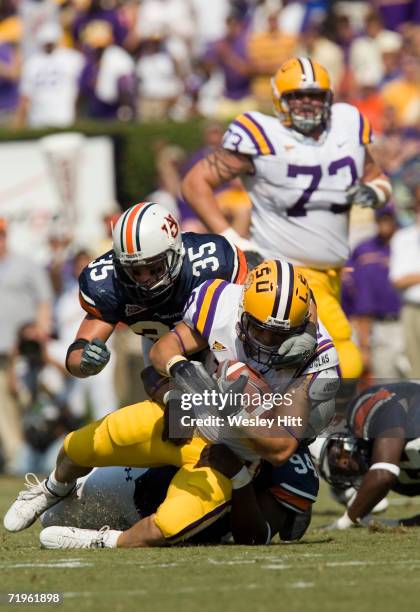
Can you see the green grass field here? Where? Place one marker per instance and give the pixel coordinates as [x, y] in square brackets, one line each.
[357, 570]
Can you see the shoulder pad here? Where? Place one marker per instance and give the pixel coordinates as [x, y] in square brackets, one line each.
[324, 385]
[346, 118]
[247, 135]
[201, 307]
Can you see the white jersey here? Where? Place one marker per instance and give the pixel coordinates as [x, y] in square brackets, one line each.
[298, 190]
[51, 82]
[213, 311]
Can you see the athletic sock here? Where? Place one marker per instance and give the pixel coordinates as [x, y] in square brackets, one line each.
[60, 489]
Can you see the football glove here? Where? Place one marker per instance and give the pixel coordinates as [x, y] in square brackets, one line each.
[173, 429]
[298, 349]
[253, 259]
[363, 195]
[95, 356]
[191, 377]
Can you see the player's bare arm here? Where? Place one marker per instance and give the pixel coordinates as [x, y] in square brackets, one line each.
[377, 483]
[199, 184]
[181, 341]
[91, 329]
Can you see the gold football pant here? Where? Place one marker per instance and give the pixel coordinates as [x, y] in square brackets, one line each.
[132, 436]
[326, 288]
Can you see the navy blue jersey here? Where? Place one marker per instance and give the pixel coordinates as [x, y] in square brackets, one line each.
[385, 407]
[207, 256]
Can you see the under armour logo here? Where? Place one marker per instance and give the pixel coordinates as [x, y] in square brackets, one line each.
[128, 475]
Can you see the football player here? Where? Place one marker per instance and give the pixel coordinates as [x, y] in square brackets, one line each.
[274, 311]
[303, 170]
[378, 453]
[145, 281]
[279, 500]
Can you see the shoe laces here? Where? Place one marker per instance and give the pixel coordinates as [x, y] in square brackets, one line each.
[33, 487]
[98, 541]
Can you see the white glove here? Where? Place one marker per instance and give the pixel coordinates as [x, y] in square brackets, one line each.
[243, 243]
[363, 195]
[344, 522]
[297, 349]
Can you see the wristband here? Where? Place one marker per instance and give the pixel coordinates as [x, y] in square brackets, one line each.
[241, 479]
[379, 185]
[389, 467]
[80, 343]
[173, 360]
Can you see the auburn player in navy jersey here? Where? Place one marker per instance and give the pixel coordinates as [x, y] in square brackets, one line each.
[380, 451]
[145, 281]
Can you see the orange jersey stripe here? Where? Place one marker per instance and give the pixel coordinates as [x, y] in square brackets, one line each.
[242, 268]
[290, 498]
[89, 308]
[366, 407]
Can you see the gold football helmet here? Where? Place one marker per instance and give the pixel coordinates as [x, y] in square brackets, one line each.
[302, 94]
[275, 306]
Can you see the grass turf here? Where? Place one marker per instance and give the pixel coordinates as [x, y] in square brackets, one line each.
[359, 569]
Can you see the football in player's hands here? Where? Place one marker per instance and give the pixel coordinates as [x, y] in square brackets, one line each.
[362, 195]
[237, 377]
[95, 356]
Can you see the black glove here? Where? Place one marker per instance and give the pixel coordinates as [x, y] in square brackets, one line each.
[173, 429]
[95, 356]
[363, 195]
[191, 377]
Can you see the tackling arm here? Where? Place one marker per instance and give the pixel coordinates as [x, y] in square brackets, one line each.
[382, 473]
[90, 329]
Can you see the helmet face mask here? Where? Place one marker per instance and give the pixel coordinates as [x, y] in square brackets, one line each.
[275, 307]
[308, 110]
[148, 253]
[344, 460]
[262, 341]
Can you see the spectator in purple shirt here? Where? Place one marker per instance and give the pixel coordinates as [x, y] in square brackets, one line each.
[230, 56]
[92, 11]
[10, 67]
[373, 304]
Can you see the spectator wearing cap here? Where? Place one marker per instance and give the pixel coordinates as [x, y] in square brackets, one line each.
[405, 275]
[373, 303]
[49, 84]
[25, 295]
[107, 83]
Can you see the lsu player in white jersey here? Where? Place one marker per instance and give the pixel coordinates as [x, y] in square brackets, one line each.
[303, 170]
[254, 323]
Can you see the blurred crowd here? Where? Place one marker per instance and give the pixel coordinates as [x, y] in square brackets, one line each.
[142, 60]
[148, 60]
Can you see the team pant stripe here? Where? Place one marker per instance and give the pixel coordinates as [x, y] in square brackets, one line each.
[290, 294]
[200, 524]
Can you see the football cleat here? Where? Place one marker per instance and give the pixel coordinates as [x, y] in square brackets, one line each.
[66, 538]
[30, 503]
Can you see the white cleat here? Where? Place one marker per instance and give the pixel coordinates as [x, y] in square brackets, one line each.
[67, 538]
[30, 503]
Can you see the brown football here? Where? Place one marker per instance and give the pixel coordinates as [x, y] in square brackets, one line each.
[256, 386]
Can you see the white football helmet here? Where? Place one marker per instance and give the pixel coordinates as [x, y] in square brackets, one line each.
[148, 251]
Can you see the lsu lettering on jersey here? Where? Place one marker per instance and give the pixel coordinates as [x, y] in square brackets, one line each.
[213, 311]
[298, 190]
[207, 256]
[385, 407]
